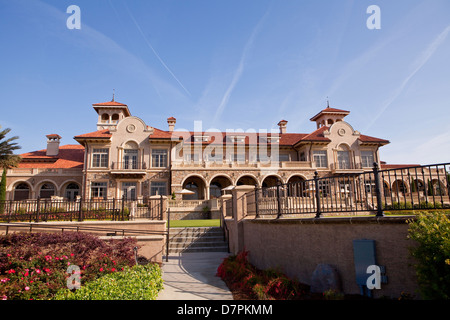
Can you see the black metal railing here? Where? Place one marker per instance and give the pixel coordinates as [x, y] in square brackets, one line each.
[36, 210]
[406, 188]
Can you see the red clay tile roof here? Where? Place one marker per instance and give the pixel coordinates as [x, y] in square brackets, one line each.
[113, 103]
[397, 166]
[330, 110]
[100, 134]
[110, 103]
[364, 138]
[160, 134]
[316, 135]
[69, 156]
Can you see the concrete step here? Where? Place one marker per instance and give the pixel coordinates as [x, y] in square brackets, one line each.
[197, 239]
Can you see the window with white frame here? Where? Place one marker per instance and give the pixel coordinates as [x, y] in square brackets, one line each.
[320, 158]
[367, 159]
[100, 158]
[159, 158]
[99, 189]
[158, 188]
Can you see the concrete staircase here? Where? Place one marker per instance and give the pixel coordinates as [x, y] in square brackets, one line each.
[197, 239]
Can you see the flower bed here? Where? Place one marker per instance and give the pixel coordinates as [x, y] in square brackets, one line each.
[34, 265]
[248, 282]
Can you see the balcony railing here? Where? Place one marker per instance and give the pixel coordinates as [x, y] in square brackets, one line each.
[128, 165]
[243, 164]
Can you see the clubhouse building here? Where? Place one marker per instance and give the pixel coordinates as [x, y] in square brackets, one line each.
[125, 157]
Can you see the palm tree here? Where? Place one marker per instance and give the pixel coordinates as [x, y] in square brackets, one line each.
[7, 160]
[7, 146]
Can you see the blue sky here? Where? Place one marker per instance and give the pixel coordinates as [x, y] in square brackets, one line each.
[232, 65]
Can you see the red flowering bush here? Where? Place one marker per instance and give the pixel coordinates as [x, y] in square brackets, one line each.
[269, 284]
[34, 265]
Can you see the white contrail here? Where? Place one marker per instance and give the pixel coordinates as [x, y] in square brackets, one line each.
[419, 63]
[154, 51]
[239, 70]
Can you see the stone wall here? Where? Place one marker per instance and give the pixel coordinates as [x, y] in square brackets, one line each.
[297, 246]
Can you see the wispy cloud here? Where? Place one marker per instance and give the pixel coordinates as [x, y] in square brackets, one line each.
[240, 69]
[418, 64]
[154, 51]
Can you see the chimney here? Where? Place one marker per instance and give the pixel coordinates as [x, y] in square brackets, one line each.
[171, 121]
[282, 125]
[53, 144]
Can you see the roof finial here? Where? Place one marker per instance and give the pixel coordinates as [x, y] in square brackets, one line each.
[328, 102]
[114, 91]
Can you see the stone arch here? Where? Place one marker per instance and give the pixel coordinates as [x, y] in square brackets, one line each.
[71, 189]
[197, 184]
[271, 181]
[47, 189]
[399, 186]
[296, 186]
[217, 183]
[105, 118]
[21, 190]
[438, 187]
[247, 179]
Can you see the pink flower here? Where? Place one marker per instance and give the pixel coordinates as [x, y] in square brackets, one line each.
[113, 269]
[4, 280]
[27, 288]
[4, 297]
[71, 254]
[101, 269]
[8, 255]
[38, 271]
[11, 271]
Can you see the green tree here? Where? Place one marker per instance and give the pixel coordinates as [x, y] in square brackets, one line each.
[413, 185]
[430, 188]
[7, 159]
[7, 147]
[432, 254]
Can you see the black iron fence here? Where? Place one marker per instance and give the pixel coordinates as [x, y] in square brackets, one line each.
[47, 209]
[405, 188]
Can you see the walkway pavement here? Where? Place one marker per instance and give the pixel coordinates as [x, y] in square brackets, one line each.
[192, 276]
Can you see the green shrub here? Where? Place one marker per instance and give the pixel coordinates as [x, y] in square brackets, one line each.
[141, 282]
[432, 233]
[34, 265]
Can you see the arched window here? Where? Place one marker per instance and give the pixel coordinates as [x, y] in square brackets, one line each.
[105, 118]
[115, 117]
[47, 190]
[21, 191]
[343, 157]
[130, 156]
[72, 191]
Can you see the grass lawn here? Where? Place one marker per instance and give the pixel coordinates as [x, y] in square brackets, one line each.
[195, 223]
